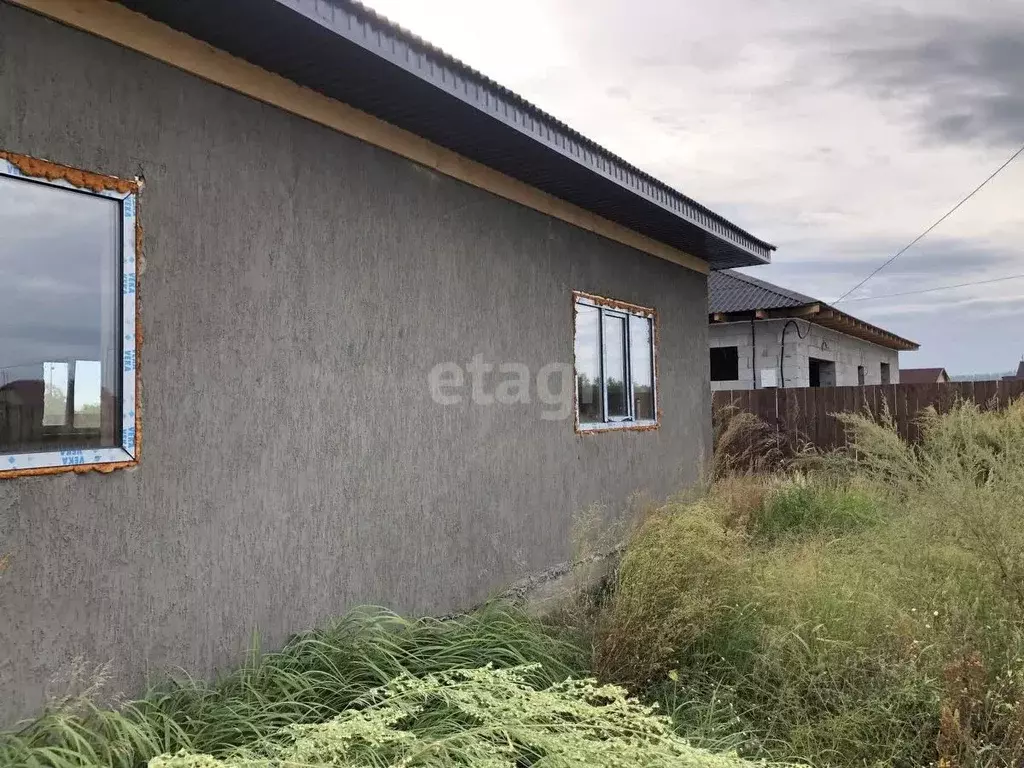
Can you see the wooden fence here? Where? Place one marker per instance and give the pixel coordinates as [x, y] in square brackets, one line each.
[807, 414]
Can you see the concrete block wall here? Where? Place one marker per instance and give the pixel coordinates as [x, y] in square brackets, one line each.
[803, 341]
[734, 335]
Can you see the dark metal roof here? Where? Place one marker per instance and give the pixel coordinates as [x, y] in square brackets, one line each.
[347, 52]
[922, 375]
[734, 296]
[730, 291]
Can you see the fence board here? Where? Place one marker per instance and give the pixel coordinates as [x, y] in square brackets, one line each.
[949, 395]
[782, 415]
[985, 393]
[1014, 389]
[871, 400]
[831, 404]
[807, 414]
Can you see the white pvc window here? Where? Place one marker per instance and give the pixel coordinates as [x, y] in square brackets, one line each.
[67, 324]
[615, 364]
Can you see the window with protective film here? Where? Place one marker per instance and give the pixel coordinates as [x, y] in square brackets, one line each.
[616, 383]
[67, 319]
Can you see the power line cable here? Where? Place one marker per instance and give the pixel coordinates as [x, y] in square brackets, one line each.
[939, 288]
[945, 216]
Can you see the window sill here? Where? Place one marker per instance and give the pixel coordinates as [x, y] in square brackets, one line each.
[76, 460]
[617, 426]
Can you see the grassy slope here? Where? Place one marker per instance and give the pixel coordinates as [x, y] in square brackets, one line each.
[868, 613]
[487, 689]
[311, 680]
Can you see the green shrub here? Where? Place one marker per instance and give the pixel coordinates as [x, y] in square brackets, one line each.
[799, 507]
[484, 718]
[679, 551]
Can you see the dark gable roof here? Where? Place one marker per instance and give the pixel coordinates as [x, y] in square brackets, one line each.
[921, 375]
[730, 291]
[347, 52]
[734, 296]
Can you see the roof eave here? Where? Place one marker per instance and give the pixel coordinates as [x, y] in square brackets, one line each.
[412, 85]
[825, 316]
[830, 317]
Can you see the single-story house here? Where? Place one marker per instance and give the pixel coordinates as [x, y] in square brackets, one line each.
[298, 312]
[924, 376]
[762, 335]
[1019, 376]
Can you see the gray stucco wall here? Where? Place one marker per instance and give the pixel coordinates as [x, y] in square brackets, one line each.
[298, 287]
[847, 352]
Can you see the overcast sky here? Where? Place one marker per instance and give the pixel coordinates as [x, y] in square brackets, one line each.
[836, 130]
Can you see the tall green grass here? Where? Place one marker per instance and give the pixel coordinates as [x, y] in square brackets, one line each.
[870, 612]
[313, 679]
[481, 718]
[495, 688]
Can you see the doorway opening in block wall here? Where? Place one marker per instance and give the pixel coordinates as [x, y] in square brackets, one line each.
[822, 372]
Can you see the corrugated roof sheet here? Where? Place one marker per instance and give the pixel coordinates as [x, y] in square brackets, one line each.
[731, 291]
[347, 52]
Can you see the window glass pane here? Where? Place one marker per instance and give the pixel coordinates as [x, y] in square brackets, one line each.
[55, 394]
[641, 365]
[88, 394]
[615, 365]
[588, 364]
[59, 314]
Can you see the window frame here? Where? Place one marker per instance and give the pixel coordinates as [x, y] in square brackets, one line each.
[126, 193]
[618, 309]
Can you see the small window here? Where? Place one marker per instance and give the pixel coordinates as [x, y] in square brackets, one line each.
[67, 322]
[821, 373]
[860, 375]
[886, 375]
[615, 364]
[725, 363]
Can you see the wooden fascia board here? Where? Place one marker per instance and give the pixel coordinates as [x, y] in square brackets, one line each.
[836, 320]
[806, 311]
[851, 326]
[133, 30]
[762, 314]
[788, 313]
